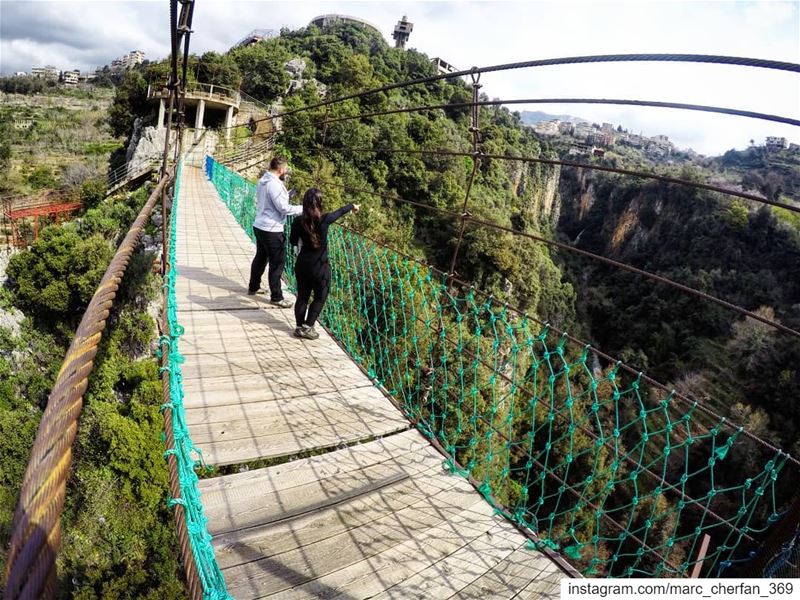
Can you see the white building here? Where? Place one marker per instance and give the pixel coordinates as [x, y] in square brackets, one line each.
[326, 21]
[255, 36]
[47, 72]
[129, 60]
[20, 74]
[777, 143]
[443, 67]
[71, 77]
[547, 127]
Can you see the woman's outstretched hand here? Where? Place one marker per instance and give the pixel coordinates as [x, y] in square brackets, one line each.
[356, 207]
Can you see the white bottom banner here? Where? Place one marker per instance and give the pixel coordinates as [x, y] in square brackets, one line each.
[680, 589]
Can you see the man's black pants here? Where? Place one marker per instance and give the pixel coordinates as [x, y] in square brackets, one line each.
[270, 248]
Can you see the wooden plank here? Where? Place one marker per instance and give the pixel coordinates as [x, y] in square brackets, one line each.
[229, 317]
[511, 576]
[276, 574]
[454, 572]
[206, 366]
[417, 541]
[238, 509]
[370, 415]
[366, 398]
[263, 343]
[322, 466]
[283, 444]
[227, 390]
[262, 541]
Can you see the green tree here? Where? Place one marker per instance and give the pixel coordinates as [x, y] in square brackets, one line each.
[130, 101]
[57, 277]
[219, 69]
[42, 178]
[92, 192]
[262, 66]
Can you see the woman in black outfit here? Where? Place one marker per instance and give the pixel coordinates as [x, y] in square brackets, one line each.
[312, 269]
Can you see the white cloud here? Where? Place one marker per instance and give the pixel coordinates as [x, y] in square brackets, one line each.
[85, 34]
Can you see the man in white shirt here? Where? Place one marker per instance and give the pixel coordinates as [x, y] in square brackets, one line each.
[272, 208]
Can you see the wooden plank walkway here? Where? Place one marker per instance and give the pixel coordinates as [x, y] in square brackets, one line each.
[376, 516]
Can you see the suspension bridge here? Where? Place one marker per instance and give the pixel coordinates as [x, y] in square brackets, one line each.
[433, 443]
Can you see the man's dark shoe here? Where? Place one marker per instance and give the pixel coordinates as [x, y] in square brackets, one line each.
[258, 292]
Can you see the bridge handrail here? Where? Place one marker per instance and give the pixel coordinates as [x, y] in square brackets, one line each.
[185, 499]
[198, 89]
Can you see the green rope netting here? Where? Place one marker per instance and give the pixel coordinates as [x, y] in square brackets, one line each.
[208, 570]
[611, 472]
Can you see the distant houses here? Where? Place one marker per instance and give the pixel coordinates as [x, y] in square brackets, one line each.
[74, 76]
[46, 72]
[129, 60]
[774, 143]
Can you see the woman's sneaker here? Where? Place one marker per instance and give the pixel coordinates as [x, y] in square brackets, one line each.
[281, 303]
[306, 332]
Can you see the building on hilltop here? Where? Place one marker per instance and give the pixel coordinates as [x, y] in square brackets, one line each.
[402, 31]
[326, 21]
[776, 143]
[566, 128]
[46, 72]
[547, 128]
[255, 36]
[129, 60]
[71, 77]
[443, 67]
[600, 138]
[20, 74]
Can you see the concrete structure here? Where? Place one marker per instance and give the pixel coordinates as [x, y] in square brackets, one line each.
[200, 96]
[71, 77]
[326, 21]
[20, 74]
[566, 128]
[47, 72]
[402, 31]
[129, 60]
[547, 128]
[600, 138]
[443, 67]
[255, 36]
[776, 143]
[23, 123]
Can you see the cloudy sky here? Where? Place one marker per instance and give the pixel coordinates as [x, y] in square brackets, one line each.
[87, 34]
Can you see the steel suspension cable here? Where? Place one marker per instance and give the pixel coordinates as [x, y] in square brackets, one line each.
[573, 249]
[604, 58]
[691, 402]
[577, 165]
[514, 101]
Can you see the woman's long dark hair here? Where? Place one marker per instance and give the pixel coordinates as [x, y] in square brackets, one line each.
[312, 215]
